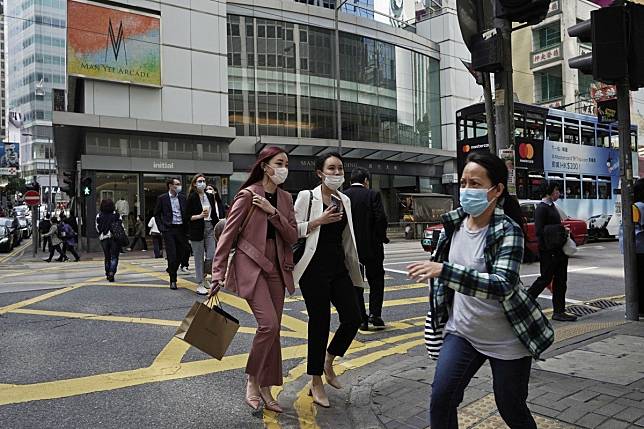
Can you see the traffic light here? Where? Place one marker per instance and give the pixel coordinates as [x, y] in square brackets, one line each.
[617, 37]
[32, 186]
[69, 183]
[529, 11]
[86, 186]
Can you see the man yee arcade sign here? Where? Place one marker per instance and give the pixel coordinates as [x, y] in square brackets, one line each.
[114, 44]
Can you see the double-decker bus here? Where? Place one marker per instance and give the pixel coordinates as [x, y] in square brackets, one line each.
[575, 150]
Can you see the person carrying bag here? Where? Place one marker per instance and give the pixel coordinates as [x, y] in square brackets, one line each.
[261, 226]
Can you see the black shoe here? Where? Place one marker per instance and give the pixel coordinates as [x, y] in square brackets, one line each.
[173, 285]
[377, 322]
[564, 317]
[47, 260]
[364, 326]
[110, 277]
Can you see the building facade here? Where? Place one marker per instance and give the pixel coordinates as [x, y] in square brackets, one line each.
[540, 62]
[236, 76]
[35, 68]
[3, 90]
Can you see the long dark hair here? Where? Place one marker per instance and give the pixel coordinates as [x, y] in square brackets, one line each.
[257, 172]
[497, 171]
[107, 206]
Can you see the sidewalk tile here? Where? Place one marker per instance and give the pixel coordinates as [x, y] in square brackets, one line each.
[590, 421]
[640, 422]
[584, 395]
[572, 414]
[417, 422]
[635, 396]
[630, 414]
[603, 400]
[610, 409]
[613, 424]
[544, 411]
[608, 389]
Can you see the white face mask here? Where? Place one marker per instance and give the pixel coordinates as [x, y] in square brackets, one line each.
[281, 173]
[210, 191]
[178, 189]
[333, 182]
[201, 185]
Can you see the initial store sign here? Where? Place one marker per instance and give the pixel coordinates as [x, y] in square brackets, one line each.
[164, 165]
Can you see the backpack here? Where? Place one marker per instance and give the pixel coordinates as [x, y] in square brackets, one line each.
[118, 233]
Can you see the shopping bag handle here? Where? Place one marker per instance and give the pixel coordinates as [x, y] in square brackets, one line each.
[214, 298]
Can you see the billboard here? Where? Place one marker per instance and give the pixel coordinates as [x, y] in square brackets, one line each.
[9, 159]
[575, 159]
[111, 43]
[392, 12]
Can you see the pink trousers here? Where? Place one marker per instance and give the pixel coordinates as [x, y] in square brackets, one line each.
[267, 303]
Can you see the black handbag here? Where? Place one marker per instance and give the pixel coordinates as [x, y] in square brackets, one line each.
[298, 247]
[118, 233]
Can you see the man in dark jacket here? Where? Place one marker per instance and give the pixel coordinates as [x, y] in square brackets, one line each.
[553, 261]
[43, 227]
[370, 228]
[170, 217]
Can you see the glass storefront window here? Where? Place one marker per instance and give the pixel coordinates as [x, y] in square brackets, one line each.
[389, 94]
[123, 189]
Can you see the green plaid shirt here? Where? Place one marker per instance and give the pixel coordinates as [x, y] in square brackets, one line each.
[503, 254]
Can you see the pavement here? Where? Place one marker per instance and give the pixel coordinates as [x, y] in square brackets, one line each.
[592, 377]
[78, 351]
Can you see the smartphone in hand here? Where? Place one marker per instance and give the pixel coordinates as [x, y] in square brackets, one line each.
[336, 203]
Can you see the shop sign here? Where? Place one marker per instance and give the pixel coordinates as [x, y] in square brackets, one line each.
[607, 110]
[554, 8]
[163, 165]
[465, 147]
[113, 43]
[507, 155]
[9, 159]
[546, 56]
[552, 104]
[529, 154]
[579, 159]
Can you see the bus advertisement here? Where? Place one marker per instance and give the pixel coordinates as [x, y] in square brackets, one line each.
[577, 151]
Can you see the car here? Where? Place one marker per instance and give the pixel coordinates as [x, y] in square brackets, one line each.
[6, 239]
[578, 231]
[25, 230]
[598, 226]
[13, 227]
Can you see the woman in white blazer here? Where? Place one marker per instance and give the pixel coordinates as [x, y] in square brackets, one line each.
[327, 272]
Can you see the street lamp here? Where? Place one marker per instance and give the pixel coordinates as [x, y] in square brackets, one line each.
[40, 92]
[337, 75]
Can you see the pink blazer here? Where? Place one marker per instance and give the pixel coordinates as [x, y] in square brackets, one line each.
[249, 260]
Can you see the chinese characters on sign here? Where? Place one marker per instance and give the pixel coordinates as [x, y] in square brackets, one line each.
[546, 56]
[578, 159]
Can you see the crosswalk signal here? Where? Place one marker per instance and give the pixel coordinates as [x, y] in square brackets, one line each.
[617, 40]
[86, 186]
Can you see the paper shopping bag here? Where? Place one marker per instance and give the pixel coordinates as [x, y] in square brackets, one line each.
[211, 330]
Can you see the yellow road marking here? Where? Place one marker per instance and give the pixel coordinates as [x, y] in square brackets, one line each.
[395, 288]
[39, 298]
[394, 302]
[15, 251]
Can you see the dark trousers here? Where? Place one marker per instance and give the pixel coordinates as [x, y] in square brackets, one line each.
[553, 268]
[457, 363]
[175, 245]
[46, 241]
[111, 252]
[185, 259]
[157, 243]
[375, 273]
[57, 249]
[136, 239]
[640, 281]
[320, 290]
[70, 248]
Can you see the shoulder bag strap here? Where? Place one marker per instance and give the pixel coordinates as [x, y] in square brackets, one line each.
[308, 214]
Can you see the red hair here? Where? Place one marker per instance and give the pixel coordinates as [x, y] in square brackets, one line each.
[256, 171]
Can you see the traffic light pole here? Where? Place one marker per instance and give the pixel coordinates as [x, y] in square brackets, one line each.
[34, 230]
[626, 176]
[504, 90]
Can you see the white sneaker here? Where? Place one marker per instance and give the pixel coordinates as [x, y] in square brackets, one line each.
[143, 250]
[184, 270]
[202, 290]
[206, 284]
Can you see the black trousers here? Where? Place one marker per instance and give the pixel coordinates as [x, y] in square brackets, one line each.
[321, 289]
[375, 273]
[175, 246]
[46, 241]
[553, 268]
[136, 239]
[57, 249]
[70, 248]
[640, 281]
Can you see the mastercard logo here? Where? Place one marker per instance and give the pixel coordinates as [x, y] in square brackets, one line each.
[526, 151]
[466, 148]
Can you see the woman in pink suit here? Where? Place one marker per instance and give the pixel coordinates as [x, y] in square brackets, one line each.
[262, 267]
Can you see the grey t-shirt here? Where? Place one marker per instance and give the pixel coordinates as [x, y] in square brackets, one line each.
[480, 321]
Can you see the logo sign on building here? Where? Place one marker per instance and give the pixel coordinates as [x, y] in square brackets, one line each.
[9, 159]
[465, 147]
[547, 56]
[607, 110]
[529, 154]
[111, 43]
[392, 12]
[579, 159]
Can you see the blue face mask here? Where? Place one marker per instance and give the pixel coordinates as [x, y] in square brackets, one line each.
[474, 201]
